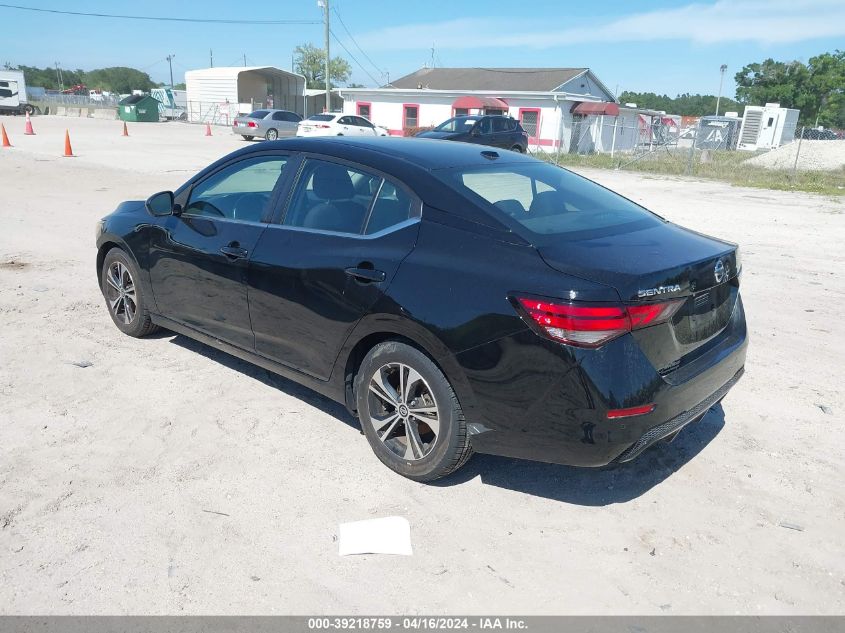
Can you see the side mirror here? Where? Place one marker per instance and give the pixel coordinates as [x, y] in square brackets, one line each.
[161, 203]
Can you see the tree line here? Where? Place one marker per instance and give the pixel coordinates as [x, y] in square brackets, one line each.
[686, 104]
[816, 88]
[117, 79]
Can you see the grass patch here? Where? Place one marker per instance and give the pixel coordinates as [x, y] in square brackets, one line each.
[724, 166]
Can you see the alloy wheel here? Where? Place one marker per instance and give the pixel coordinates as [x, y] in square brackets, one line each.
[120, 292]
[403, 411]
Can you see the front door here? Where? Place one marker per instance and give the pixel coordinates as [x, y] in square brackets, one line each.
[198, 259]
[312, 277]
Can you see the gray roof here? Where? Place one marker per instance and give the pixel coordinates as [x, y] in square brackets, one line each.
[504, 79]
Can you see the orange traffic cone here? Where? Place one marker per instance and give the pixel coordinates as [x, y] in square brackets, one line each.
[6, 142]
[208, 129]
[28, 129]
[68, 148]
[125, 131]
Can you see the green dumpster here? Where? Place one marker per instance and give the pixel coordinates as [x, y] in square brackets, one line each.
[138, 108]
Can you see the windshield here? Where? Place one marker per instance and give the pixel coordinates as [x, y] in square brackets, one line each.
[458, 124]
[548, 200]
[259, 114]
[321, 117]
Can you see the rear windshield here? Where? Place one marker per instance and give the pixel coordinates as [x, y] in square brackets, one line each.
[321, 117]
[259, 114]
[548, 200]
[458, 124]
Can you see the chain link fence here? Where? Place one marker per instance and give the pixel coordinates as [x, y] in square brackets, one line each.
[768, 155]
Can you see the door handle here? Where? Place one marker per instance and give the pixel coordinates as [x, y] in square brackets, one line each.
[366, 275]
[234, 252]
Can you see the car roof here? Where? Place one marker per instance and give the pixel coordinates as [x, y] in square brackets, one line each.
[425, 153]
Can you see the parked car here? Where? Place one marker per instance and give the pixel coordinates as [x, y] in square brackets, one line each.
[271, 124]
[494, 130]
[338, 124]
[454, 298]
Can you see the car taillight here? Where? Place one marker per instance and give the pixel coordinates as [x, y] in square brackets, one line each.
[323, 126]
[252, 124]
[593, 325]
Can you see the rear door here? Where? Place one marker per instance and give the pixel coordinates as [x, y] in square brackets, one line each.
[365, 128]
[284, 123]
[319, 269]
[347, 127]
[501, 133]
[198, 259]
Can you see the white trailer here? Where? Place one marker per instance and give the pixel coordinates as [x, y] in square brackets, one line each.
[767, 127]
[13, 93]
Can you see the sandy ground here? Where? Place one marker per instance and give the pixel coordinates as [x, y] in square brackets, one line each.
[160, 476]
[812, 156]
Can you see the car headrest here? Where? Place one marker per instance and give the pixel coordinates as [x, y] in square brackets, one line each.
[332, 182]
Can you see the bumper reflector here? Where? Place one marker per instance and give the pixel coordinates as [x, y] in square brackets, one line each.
[631, 411]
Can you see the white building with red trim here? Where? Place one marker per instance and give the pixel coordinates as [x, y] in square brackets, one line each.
[566, 108]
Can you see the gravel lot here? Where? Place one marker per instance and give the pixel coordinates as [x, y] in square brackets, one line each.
[812, 156]
[160, 476]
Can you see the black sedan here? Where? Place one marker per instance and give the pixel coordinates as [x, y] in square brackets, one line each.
[494, 130]
[454, 298]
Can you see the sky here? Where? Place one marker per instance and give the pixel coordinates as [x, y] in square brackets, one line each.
[653, 46]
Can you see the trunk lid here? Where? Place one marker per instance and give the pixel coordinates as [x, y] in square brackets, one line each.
[657, 264]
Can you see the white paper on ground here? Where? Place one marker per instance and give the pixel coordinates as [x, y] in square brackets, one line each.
[390, 535]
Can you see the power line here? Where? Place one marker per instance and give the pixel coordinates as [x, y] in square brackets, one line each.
[157, 18]
[340, 19]
[376, 81]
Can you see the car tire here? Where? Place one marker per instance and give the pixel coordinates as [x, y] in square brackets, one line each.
[28, 109]
[128, 309]
[518, 149]
[248, 137]
[272, 134]
[430, 451]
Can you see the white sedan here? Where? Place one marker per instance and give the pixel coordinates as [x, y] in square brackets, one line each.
[338, 124]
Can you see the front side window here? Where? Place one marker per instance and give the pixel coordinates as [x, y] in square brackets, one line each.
[549, 201]
[457, 124]
[240, 191]
[362, 122]
[484, 126]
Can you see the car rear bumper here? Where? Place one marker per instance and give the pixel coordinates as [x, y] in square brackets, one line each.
[548, 402]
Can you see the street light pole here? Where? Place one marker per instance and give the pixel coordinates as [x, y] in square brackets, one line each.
[722, 70]
[170, 61]
[325, 5]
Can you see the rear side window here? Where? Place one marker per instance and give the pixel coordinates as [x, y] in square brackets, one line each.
[392, 206]
[549, 201]
[331, 197]
[500, 124]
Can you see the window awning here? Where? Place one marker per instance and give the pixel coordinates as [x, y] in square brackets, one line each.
[477, 103]
[600, 108]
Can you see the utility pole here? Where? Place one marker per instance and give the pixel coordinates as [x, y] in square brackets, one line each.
[325, 6]
[210, 58]
[722, 70]
[170, 61]
[244, 60]
[59, 77]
